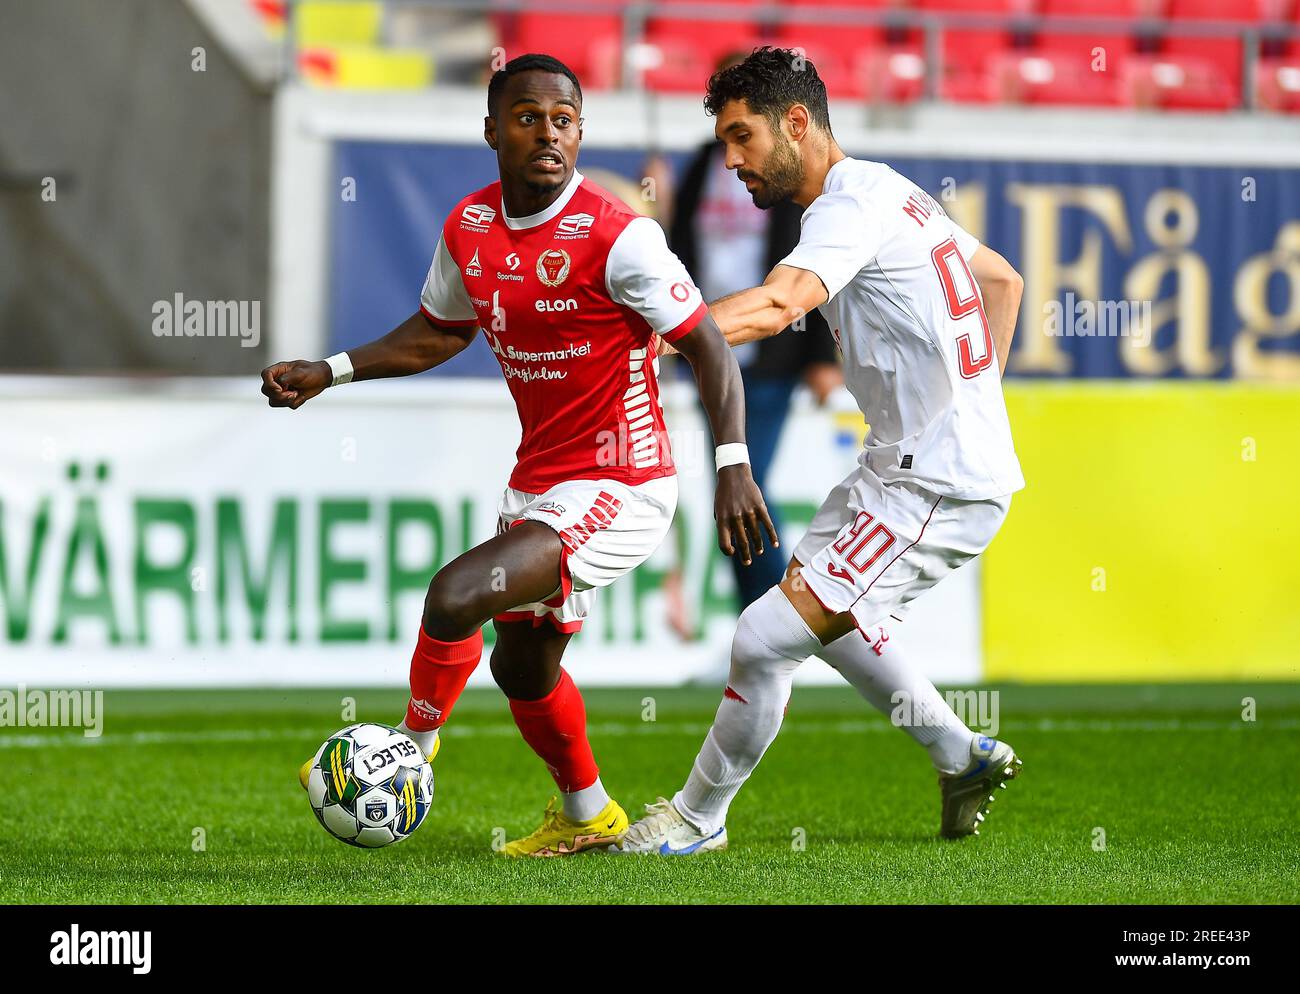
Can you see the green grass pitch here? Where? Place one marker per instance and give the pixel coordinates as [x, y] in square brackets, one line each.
[1196, 804]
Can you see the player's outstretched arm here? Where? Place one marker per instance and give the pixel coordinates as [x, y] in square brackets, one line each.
[1001, 287]
[413, 346]
[738, 506]
[786, 295]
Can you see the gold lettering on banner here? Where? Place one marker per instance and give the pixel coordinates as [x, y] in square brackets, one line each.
[1046, 275]
[1250, 296]
[968, 206]
[1171, 221]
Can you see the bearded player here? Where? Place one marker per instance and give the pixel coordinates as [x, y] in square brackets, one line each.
[924, 316]
[569, 287]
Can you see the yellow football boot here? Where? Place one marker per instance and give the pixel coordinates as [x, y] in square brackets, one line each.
[304, 771]
[561, 836]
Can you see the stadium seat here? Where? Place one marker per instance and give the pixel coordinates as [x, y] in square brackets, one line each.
[896, 71]
[366, 67]
[1198, 72]
[1116, 44]
[1277, 85]
[1224, 10]
[970, 53]
[1277, 74]
[1073, 67]
[835, 49]
[589, 44]
[680, 53]
[339, 45]
[317, 23]
[1177, 82]
[1051, 77]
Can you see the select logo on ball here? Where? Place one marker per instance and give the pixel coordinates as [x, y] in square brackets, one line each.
[369, 785]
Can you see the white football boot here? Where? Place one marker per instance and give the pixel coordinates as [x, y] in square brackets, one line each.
[968, 794]
[664, 832]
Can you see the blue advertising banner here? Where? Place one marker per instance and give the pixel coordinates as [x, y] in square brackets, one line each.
[1131, 270]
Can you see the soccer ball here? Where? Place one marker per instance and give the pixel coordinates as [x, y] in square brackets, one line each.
[370, 785]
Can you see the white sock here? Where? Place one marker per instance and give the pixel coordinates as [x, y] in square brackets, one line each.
[894, 688]
[424, 740]
[771, 642]
[585, 804]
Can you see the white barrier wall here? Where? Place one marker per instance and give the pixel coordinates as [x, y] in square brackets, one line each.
[180, 532]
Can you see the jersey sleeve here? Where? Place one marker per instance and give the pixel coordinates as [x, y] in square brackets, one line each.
[642, 273]
[838, 237]
[966, 242]
[444, 299]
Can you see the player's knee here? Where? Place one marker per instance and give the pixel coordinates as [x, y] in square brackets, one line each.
[749, 654]
[505, 675]
[521, 683]
[452, 608]
[768, 643]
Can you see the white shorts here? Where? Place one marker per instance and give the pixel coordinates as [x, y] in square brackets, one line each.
[608, 529]
[872, 546]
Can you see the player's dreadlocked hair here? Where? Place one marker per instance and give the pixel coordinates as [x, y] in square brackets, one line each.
[771, 81]
[526, 63]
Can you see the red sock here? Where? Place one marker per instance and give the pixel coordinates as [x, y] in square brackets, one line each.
[556, 729]
[438, 674]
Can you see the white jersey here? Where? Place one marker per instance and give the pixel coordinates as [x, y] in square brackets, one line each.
[909, 320]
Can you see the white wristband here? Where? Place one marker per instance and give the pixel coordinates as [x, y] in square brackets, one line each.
[341, 366]
[730, 454]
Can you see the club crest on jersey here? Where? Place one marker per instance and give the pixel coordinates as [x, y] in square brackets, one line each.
[553, 267]
[477, 217]
[574, 226]
[474, 267]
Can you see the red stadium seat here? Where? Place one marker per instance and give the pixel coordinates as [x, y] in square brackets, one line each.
[683, 53]
[1277, 85]
[1178, 82]
[580, 41]
[1222, 10]
[835, 49]
[892, 73]
[1277, 74]
[1211, 64]
[1097, 53]
[1052, 77]
[970, 53]
[1116, 44]
[1216, 62]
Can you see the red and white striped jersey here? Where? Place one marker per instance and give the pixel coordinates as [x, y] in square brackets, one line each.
[568, 299]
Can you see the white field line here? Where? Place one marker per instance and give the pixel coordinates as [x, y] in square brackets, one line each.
[614, 729]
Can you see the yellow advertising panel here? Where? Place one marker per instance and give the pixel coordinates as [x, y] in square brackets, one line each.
[1158, 537]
